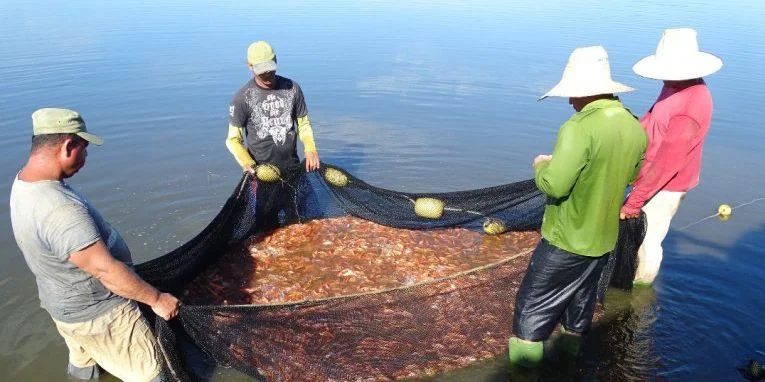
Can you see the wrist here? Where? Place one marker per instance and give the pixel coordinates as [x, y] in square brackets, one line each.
[154, 298]
[630, 209]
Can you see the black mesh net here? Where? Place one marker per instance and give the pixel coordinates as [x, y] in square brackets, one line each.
[413, 329]
[623, 260]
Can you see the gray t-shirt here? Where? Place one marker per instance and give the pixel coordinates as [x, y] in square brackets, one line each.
[50, 222]
[268, 117]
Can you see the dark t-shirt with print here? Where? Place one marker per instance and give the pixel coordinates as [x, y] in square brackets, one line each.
[268, 117]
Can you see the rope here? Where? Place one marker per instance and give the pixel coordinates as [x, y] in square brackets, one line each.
[296, 304]
[715, 215]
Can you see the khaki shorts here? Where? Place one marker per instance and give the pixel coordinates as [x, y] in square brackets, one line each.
[119, 341]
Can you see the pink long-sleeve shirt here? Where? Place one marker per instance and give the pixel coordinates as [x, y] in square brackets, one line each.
[676, 126]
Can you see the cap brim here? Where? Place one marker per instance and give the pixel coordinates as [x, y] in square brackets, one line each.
[268, 66]
[700, 65]
[92, 138]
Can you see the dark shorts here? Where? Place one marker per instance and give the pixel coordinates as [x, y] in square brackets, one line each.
[270, 200]
[279, 202]
[558, 286]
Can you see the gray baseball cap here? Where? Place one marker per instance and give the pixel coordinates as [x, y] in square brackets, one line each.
[61, 121]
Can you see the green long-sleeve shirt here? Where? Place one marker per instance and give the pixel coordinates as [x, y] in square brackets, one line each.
[598, 153]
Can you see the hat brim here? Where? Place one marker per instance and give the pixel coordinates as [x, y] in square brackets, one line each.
[699, 65]
[569, 89]
[92, 138]
[268, 66]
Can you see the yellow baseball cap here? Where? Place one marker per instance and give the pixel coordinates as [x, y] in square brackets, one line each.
[261, 56]
[61, 121]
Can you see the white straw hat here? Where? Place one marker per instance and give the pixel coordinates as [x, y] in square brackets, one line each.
[678, 58]
[587, 73]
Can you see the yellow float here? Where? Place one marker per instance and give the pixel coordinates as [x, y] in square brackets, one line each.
[267, 173]
[335, 177]
[494, 227]
[429, 208]
[724, 210]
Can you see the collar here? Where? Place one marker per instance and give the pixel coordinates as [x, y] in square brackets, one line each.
[602, 104]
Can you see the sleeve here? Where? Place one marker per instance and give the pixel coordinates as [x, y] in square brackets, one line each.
[667, 162]
[69, 229]
[235, 144]
[636, 171]
[237, 122]
[299, 109]
[556, 177]
[237, 111]
[305, 132]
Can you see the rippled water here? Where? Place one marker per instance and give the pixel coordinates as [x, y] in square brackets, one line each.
[420, 95]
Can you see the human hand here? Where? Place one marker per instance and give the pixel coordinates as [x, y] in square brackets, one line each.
[627, 213]
[311, 161]
[248, 169]
[541, 158]
[166, 306]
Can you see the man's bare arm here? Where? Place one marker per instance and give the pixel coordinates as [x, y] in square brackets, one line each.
[120, 279]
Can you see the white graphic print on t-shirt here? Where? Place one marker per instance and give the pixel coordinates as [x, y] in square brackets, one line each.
[272, 114]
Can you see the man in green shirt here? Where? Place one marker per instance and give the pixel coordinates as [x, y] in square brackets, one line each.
[598, 152]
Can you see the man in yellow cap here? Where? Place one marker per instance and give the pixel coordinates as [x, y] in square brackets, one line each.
[263, 117]
[82, 266]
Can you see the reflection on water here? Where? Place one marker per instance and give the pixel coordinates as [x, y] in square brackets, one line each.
[414, 96]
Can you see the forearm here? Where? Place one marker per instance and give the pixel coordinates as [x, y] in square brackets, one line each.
[235, 144]
[305, 133]
[121, 280]
[542, 179]
[556, 176]
[654, 175]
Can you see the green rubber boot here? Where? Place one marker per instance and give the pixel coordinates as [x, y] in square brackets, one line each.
[569, 343]
[525, 354]
[642, 284]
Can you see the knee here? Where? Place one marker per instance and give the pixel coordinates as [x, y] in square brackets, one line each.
[651, 252]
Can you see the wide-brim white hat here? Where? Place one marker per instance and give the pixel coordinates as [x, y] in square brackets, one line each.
[678, 58]
[587, 73]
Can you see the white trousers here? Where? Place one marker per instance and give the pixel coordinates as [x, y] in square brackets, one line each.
[659, 212]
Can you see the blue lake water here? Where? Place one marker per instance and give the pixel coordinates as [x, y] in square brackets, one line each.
[415, 96]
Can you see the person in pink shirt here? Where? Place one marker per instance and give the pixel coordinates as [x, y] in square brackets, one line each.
[676, 125]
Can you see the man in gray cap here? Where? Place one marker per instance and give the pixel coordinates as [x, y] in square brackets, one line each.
[82, 266]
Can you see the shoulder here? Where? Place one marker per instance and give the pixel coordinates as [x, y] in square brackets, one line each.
[700, 93]
[239, 95]
[570, 128]
[39, 201]
[44, 192]
[582, 116]
[612, 111]
[285, 83]
[696, 103]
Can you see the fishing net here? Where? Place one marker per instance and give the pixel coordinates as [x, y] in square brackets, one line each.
[442, 312]
[623, 261]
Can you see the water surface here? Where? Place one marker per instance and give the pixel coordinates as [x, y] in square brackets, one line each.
[414, 96]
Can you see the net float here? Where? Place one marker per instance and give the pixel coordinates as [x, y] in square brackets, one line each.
[429, 208]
